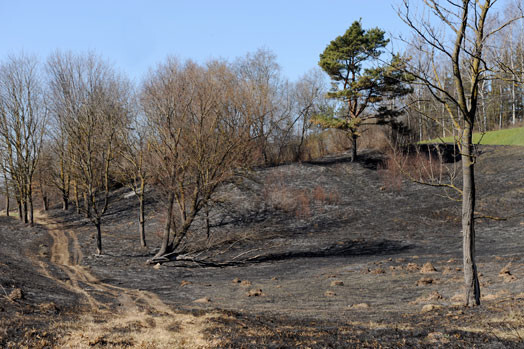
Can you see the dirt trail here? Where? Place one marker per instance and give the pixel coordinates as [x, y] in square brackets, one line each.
[118, 316]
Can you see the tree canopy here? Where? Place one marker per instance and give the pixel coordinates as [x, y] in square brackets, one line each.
[360, 80]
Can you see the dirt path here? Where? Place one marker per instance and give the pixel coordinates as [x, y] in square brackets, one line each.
[119, 316]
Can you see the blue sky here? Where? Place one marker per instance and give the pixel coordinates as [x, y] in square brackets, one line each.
[136, 35]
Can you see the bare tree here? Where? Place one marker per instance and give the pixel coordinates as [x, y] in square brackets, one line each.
[267, 100]
[22, 126]
[43, 177]
[95, 106]
[200, 137]
[59, 101]
[309, 98]
[132, 167]
[460, 42]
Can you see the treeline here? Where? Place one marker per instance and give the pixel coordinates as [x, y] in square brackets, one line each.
[500, 91]
[73, 128]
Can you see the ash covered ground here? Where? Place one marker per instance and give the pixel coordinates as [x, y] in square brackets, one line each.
[320, 254]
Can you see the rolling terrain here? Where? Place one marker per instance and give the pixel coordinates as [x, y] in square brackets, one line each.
[317, 254]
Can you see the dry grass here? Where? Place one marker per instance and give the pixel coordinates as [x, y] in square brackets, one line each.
[510, 326]
[141, 320]
[300, 202]
[134, 328]
[417, 166]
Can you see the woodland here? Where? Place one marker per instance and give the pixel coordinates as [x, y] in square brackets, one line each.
[224, 165]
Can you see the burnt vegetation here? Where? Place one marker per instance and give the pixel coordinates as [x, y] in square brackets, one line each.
[221, 205]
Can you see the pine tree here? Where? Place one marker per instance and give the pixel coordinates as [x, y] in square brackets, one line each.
[360, 81]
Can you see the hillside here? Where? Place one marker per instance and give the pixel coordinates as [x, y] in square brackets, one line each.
[318, 254]
[510, 136]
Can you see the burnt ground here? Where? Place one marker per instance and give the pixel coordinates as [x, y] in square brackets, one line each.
[321, 254]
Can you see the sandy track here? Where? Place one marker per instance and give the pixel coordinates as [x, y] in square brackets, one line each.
[119, 317]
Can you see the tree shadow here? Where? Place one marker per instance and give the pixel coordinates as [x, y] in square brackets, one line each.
[449, 152]
[351, 248]
[369, 159]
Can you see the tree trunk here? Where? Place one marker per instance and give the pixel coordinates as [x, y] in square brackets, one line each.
[87, 207]
[65, 202]
[208, 223]
[98, 224]
[26, 219]
[20, 211]
[165, 248]
[7, 201]
[77, 201]
[31, 209]
[353, 148]
[45, 202]
[141, 220]
[468, 230]
[7, 205]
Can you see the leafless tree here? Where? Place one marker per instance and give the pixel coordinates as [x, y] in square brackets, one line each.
[268, 101]
[22, 126]
[200, 137]
[309, 100]
[133, 168]
[456, 32]
[94, 102]
[44, 175]
[59, 146]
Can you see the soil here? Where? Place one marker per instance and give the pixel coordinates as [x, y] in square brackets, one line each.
[320, 254]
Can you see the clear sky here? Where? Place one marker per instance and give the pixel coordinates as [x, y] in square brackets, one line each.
[137, 34]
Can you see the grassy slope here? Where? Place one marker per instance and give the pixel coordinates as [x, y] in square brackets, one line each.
[512, 136]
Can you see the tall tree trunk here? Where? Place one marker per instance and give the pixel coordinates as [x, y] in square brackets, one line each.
[165, 248]
[45, 202]
[208, 223]
[43, 194]
[65, 202]
[87, 207]
[353, 148]
[7, 201]
[77, 201]
[501, 108]
[24, 207]
[20, 210]
[141, 221]
[468, 229]
[7, 208]
[513, 100]
[31, 208]
[98, 224]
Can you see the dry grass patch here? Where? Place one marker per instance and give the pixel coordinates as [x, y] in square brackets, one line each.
[298, 201]
[134, 328]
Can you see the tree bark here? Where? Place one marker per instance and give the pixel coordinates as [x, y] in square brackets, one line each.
[31, 209]
[24, 207]
[87, 207]
[353, 148]
[98, 224]
[468, 229]
[20, 211]
[165, 248]
[45, 202]
[77, 201]
[7, 205]
[7, 201]
[141, 220]
[65, 202]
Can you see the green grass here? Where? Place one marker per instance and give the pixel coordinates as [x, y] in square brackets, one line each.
[510, 136]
